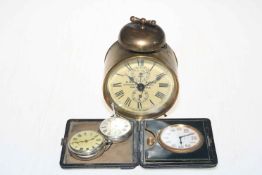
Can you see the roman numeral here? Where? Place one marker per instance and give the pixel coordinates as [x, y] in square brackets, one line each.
[117, 85]
[119, 94]
[140, 62]
[160, 95]
[139, 105]
[128, 101]
[128, 67]
[163, 84]
[159, 76]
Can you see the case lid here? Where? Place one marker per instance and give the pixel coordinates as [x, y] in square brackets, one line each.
[142, 35]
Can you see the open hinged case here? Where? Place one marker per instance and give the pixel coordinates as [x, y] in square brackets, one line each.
[142, 147]
[122, 155]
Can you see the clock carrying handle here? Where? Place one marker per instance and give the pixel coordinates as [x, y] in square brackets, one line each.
[142, 21]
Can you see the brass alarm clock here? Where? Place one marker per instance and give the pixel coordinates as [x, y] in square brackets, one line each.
[141, 71]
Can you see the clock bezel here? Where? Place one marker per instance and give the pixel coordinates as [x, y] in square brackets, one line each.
[133, 115]
[177, 150]
[123, 137]
[87, 154]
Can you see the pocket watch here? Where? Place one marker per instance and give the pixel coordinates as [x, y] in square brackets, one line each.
[87, 144]
[140, 71]
[116, 129]
[180, 138]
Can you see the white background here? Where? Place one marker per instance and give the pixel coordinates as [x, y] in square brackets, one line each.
[51, 69]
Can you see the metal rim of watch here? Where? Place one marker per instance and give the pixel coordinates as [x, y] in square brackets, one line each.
[93, 153]
[121, 138]
[90, 156]
[176, 150]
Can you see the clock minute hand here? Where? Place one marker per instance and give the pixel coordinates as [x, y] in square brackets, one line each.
[186, 135]
[92, 138]
[158, 77]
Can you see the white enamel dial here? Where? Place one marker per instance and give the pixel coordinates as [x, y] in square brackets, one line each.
[115, 128]
[180, 138]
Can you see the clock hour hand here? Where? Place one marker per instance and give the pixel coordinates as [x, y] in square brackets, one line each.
[92, 138]
[129, 77]
[85, 140]
[132, 79]
[180, 140]
[81, 141]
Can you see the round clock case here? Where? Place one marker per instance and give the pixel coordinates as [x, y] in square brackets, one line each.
[141, 71]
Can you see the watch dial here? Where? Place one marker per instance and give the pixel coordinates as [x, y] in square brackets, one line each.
[141, 85]
[181, 138]
[115, 127]
[86, 141]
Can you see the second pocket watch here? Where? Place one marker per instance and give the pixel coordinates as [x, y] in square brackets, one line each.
[116, 129]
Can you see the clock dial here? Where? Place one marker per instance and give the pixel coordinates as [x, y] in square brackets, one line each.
[180, 138]
[86, 141]
[115, 127]
[141, 85]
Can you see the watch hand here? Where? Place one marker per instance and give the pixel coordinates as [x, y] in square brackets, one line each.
[159, 77]
[140, 95]
[186, 135]
[132, 79]
[180, 140]
[92, 138]
[140, 77]
[81, 141]
[85, 140]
